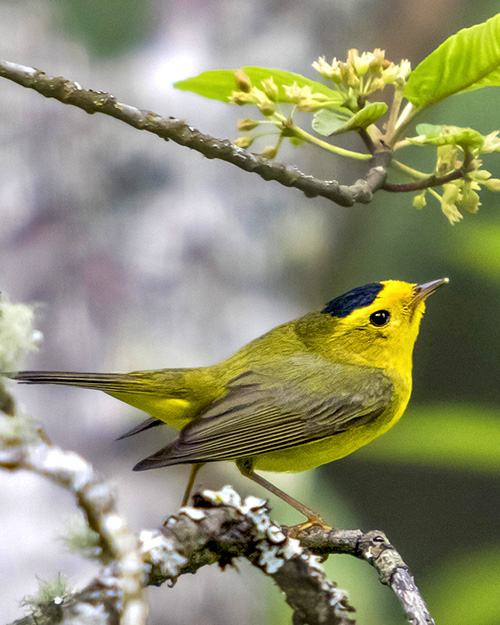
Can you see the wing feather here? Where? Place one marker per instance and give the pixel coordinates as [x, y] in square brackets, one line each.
[262, 413]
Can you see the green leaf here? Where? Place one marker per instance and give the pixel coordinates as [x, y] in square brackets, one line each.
[468, 60]
[219, 84]
[447, 135]
[428, 129]
[455, 436]
[327, 122]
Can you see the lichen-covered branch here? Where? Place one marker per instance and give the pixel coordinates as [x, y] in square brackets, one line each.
[69, 92]
[374, 547]
[23, 446]
[221, 527]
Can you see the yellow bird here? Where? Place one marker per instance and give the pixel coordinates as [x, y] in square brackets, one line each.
[306, 393]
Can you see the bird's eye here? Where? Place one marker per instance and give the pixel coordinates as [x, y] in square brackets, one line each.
[380, 318]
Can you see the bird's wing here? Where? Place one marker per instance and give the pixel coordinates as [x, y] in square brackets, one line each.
[263, 412]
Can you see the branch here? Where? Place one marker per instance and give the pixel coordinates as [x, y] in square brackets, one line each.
[434, 180]
[373, 547]
[222, 516]
[69, 92]
[219, 528]
[23, 446]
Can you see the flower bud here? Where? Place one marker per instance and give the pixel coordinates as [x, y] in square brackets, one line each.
[270, 88]
[244, 142]
[243, 82]
[270, 153]
[245, 125]
[240, 98]
[493, 184]
[470, 199]
[419, 200]
[491, 142]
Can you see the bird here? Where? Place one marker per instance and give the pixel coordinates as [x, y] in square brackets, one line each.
[306, 393]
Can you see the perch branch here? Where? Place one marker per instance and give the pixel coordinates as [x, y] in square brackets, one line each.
[69, 92]
[223, 516]
[220, 529]
[373, 547]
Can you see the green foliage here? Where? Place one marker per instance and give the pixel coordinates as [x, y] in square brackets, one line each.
[468, 60]
[220, 84]
[327, 122]
[451, 436]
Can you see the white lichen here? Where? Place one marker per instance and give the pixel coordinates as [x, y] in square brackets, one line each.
[17, 334]
[159, 551]
[114, 523]
[271, 559]
[89, 614]
[252, 503]
[71, 468]
[261, 520]
[195, 514]
[275, 535]
[227, 496]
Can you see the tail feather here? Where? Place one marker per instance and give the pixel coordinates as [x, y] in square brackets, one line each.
[107, 382]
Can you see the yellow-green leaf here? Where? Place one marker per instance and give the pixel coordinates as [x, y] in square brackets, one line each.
[447, 135]
[327, 122]
[468, 60]
[219, 84]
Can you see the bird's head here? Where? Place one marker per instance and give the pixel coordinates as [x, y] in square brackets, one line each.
[375, 325]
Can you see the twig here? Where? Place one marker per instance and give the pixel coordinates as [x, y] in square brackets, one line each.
[374, 547]
[432, 181]
[69, 92]
[426, 183]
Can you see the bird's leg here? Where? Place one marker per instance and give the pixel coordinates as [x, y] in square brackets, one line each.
[312, 518]
[192, 476]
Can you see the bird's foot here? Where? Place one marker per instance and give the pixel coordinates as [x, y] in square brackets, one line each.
[294, 531]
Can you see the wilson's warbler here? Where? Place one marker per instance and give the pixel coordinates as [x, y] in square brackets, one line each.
[308, 392]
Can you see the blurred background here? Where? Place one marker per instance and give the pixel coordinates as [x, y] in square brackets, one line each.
[141, 254]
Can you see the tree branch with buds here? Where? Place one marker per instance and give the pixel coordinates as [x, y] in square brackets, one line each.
[349, 104]
[72, 93]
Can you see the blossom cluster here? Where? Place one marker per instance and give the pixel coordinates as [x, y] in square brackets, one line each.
[361, 75]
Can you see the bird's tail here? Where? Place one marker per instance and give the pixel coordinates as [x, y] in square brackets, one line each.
[107, 382]
[166, 394]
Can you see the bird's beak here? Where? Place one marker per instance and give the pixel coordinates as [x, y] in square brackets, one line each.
[422, 291]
